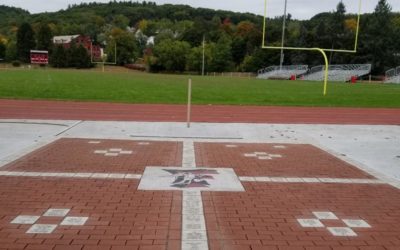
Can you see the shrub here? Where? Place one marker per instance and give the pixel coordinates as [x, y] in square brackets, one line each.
[16, 63]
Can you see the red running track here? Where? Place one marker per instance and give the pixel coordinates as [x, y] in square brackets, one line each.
[61, 110]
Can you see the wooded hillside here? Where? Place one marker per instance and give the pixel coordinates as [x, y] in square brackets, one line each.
[233, 40]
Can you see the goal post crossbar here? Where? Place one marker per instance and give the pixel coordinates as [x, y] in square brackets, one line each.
[321, 50]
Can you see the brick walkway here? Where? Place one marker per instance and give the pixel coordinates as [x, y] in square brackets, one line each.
[58, 110]
[109, 194]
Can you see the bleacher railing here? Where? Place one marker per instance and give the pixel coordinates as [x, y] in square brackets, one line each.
[284, 72]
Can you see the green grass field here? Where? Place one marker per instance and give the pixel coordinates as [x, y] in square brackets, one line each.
[131, 87]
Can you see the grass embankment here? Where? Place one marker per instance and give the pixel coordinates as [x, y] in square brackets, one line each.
[131, 87]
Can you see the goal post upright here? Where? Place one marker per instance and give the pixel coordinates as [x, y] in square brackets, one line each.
[321, 50]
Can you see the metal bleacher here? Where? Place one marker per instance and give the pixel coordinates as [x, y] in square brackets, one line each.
[286, 72]
[338, 73]
[393, 75]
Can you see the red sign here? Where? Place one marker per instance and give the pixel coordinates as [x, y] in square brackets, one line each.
[39, 57]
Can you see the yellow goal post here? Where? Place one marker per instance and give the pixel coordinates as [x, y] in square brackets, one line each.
[321, 50]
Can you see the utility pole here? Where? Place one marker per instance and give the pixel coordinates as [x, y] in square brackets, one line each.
[283, 36]
[204, 55]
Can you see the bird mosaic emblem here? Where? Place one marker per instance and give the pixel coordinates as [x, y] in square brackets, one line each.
[191, 178]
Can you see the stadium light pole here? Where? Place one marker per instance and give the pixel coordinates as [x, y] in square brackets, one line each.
[283, 36]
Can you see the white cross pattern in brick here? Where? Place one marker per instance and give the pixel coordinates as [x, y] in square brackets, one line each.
[335, 231]
[113, 152]
[262, 155]
[37, 228]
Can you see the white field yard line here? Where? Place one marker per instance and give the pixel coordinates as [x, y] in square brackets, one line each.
[194, 232]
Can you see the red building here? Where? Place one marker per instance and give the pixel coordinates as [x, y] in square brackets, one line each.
[95, 50]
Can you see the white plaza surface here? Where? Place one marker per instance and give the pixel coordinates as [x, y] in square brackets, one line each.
[372, 148]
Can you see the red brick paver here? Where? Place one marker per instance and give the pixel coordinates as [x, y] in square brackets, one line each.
[265, 216]
[120, 217]
[23, 109]
[77, 155]
[298, 160]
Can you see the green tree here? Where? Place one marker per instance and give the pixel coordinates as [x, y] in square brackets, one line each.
[222, 55]
[378, 44]
[2, 50]
[82, 59]
[44, 37]
[172, 55]
[11, 52]
[239, 48]
[126, 45]
[25, 42]
[58, 58]
[195, 58]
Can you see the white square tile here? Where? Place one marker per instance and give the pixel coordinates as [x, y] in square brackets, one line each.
[193, 226]
[311, 180]
[280, 146]
[192, 210]
[111, 154]
[4, 173]
[32, 174]
[74, 221]
[250, 155]
[144, 143]
[128, 152]
[100, 151]
[278, 179]
[262, 179]
[100, 175]
[342, 231]
[25, 219]
[310, 223]
[94, 142]
[52, 212]
[191, 193]
[275, 156]
[325, 215]
[193, 218]
[116, 176]
[83, 175]
[193, 204]
[231, 146]
[246, 178]
[261, 153]
[41, 229]
[195, 235]
[194, 245]
[115, 149]
[295, 180]
[357, 223]
[264, 158]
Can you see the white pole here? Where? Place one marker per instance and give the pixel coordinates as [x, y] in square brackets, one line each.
[204, 55]
[189, 102]
[283, 36]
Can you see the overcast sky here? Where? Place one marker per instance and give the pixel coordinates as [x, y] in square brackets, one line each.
[302, 9]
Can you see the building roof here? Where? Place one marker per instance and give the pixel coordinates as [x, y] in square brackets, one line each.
[64, 39]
